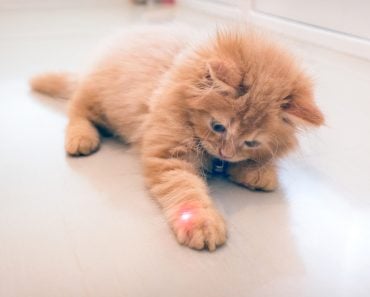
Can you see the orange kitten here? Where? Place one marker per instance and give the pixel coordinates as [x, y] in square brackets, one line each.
[230, 104]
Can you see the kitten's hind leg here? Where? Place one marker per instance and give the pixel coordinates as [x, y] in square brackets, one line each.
[82, 137]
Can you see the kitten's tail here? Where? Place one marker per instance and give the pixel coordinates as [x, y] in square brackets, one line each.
[55, 84]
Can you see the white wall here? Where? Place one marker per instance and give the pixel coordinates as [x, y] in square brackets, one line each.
[346, 16]
[342, 25]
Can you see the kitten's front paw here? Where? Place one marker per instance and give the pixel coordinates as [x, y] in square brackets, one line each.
[260, 180]
[198, 228]
[81, 145]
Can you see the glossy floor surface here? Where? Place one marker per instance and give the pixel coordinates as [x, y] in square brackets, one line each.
[87, 227]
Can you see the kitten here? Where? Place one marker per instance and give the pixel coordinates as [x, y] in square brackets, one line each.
[235, 97]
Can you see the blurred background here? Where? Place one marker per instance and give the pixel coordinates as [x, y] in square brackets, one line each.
[86, 226]
[67, 30]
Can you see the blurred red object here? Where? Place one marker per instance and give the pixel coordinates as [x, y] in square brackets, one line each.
[155, 1]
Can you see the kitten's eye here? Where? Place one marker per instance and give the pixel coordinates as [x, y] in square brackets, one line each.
[217, 127]
[252, 143]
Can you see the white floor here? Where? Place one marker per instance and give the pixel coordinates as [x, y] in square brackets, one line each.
[86, 226]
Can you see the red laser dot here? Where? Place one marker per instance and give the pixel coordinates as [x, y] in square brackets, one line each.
[186, 216]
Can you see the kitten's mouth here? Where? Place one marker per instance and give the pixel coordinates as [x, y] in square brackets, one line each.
[230, 160]
[224, 158]
[233, 159]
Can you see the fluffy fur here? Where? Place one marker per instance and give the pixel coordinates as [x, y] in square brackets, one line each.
[166, 97]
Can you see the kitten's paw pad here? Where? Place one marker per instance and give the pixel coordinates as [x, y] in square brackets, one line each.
[81, 145]
[266, 181]
[200, 228]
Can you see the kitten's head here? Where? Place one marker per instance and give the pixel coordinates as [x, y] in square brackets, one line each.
[246, 98]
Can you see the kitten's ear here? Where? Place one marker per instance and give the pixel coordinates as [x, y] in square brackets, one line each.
[302, 110]
[223, 71]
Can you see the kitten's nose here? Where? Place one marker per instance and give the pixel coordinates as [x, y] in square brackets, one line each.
[227, 154]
